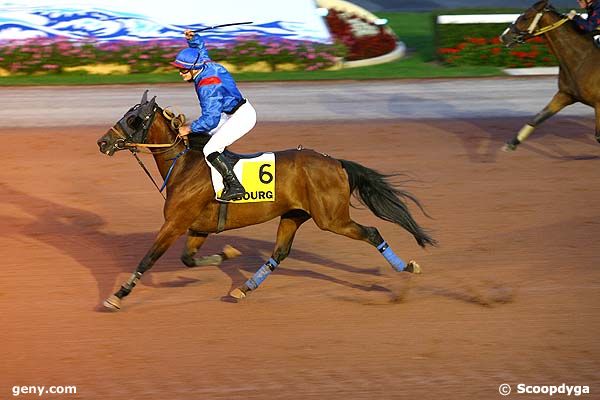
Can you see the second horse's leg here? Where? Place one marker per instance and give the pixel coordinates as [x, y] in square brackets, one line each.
[288, 226]
[558, 102]
[166, 236]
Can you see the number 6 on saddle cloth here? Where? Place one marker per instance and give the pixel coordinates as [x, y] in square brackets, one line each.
[256, 172]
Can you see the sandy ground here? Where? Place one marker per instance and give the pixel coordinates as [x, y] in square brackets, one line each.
[511, 295]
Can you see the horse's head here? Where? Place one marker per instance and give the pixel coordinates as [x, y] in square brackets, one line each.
[526, 26]
[131, 128]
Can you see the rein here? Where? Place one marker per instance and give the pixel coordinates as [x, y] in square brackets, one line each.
[548, 28]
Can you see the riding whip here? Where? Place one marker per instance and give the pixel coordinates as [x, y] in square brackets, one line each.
[220, 26]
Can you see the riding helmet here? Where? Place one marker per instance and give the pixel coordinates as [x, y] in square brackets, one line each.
[190, 58]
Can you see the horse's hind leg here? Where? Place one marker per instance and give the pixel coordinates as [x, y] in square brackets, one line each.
[369, 234]
[194, 241]
[558, 102]
[288, 226]
[166, 236]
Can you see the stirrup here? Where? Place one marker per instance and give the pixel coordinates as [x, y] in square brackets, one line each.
[231, 196]
[237, 194]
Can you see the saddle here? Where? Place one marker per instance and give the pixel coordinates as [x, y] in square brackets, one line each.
[235, 157]
[197, 142]
[594, 36]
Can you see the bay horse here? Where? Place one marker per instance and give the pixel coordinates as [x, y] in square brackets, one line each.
[308, 185]
[579, 76]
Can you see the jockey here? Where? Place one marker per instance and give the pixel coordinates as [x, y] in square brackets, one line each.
[226, 114]
[593, 19]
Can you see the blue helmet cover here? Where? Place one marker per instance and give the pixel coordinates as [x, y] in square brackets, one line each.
[190, 58]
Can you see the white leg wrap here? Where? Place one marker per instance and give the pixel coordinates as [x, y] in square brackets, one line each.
[525, 132]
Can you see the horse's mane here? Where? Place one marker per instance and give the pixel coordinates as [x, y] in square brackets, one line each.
[197, 141]
[571, 25]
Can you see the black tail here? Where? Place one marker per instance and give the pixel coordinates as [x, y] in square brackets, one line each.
[385, 201]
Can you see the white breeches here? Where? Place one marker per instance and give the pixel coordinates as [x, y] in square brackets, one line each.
[231, 128]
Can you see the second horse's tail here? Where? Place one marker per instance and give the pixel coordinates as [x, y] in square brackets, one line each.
[385, 201]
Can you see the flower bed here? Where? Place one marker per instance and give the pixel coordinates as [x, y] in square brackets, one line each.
[354, 39]
[362, 38]
[56, 56]
[489, 51]
[479, 44]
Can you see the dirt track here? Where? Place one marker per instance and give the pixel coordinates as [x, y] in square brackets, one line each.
[511, 295]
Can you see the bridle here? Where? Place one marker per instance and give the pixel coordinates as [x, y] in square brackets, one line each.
[533, 30]
[134, 128]
[133, 132]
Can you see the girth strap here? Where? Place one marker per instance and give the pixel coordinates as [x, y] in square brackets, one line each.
[222, 217]
[220, 223]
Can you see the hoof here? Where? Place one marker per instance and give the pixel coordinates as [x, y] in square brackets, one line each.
[113, 303]
[509, 147]
[231, 252]
[413, 267]
[238, 293]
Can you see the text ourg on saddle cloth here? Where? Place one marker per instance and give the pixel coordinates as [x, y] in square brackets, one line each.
[257, 175]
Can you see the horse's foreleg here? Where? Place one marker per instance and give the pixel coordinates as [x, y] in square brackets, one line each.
[558, 102]
[194, 241]
[166, 236]
[288, 226]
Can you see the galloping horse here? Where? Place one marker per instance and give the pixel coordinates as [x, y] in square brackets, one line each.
[579, 77]
[307, 185]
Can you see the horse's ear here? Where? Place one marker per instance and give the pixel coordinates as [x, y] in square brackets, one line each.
[144, 97]
[148, 106]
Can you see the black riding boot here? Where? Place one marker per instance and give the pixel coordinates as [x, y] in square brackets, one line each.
[233, 189]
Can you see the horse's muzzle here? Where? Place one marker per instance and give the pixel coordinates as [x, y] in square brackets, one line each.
[507, 39]
[104, 147]
[109, 149]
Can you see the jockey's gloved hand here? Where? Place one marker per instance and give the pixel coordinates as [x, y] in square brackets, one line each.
[571, 14]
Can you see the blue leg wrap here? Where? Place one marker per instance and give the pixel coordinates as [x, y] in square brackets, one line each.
[261, 274]
[391, 257]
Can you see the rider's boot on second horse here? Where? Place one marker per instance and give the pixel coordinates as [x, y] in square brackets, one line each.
[233, 189]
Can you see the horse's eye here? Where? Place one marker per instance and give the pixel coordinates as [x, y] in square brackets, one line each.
[133, 122]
